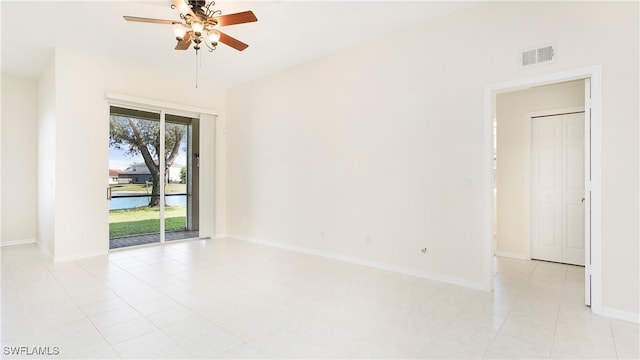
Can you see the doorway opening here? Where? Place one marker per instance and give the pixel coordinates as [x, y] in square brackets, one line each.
[512, 237]
[153, 177]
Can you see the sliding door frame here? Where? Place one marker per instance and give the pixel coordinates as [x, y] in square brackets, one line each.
[207, 125]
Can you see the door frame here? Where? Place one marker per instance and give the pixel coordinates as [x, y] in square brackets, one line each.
[593, 271]
[528, 171]
[206, 156]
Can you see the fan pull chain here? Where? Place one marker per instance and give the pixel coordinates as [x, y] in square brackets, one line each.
[197, 67]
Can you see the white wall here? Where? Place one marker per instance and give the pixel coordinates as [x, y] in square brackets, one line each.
[386, 140]
[19, 154]
[46, 135]
[511, 111]
[81, 127]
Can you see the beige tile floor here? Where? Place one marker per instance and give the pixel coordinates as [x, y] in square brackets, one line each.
[231, 299]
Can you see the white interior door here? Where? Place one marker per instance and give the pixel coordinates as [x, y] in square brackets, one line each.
[573, 200]
[546, 188]
[557, 188]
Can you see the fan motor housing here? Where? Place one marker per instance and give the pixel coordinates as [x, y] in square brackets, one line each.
[196, 5]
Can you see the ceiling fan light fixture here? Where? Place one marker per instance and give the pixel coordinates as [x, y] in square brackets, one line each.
[198, 18]
[214, 37]
[179, 30]
[183, 8]
[197, 27]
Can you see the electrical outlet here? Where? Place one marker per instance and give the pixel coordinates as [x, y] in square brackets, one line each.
[423, 250]
[322, 234]
[367, 239]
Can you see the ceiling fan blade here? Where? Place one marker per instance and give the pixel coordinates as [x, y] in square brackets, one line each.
[233, 19]
[148, 20]
[183, 7]
[185, 43]
[231, 41]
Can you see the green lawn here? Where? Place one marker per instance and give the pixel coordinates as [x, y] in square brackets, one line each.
[144, 220]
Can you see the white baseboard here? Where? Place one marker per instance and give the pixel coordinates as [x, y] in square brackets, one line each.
[509, 254]
[45, 251]
[79, 256]
[364, 262]
[620, 315]
[17, 242]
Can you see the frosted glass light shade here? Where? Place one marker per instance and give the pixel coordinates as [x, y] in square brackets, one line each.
[197, 26]
[179, 30]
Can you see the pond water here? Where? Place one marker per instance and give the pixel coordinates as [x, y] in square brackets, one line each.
[133, 202]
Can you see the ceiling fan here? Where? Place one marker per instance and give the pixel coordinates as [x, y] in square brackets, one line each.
[199, 23]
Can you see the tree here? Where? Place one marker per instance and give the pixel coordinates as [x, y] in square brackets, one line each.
[183, 175]
[142, 137]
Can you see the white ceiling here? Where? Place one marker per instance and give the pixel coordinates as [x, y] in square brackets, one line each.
[287, 33]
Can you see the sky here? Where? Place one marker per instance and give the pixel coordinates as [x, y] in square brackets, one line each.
[119, 160]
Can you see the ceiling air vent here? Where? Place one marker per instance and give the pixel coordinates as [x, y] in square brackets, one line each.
[536, 56]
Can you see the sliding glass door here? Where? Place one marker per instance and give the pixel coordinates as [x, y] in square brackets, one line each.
[181, 174]
[151, 176]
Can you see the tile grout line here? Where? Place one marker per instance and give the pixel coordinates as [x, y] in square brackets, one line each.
[131, 306]
[196, 294]
[506, 316]
[555, 328]
[26, 308]
[87, 317]
[128, 271]
[613, 337]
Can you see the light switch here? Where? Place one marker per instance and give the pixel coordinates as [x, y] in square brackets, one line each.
[467, 182]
